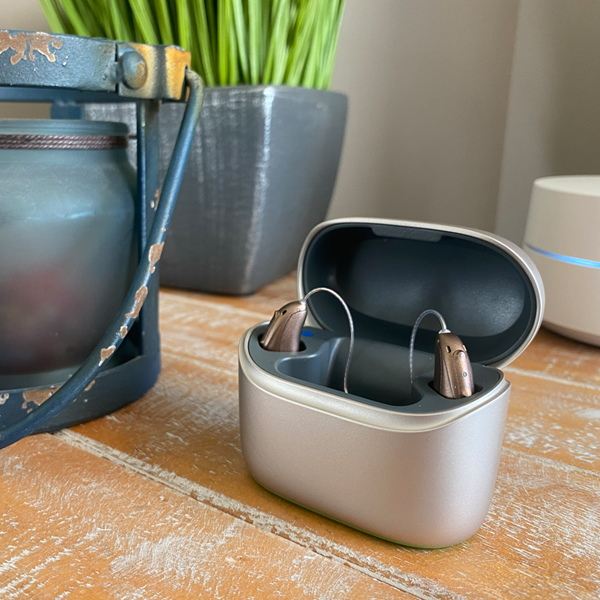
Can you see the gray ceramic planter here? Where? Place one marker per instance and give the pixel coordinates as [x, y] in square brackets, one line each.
[260, 175]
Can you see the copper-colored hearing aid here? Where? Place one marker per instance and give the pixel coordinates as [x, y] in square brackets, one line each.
[453, 374]
[285, 328]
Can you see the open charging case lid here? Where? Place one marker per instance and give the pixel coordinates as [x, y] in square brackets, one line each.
[487, 289]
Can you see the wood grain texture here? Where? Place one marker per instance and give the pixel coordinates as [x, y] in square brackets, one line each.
[185, 433]
[554, 420]
[556, 358]
[540, 539]
[75, 526]
[265, 300]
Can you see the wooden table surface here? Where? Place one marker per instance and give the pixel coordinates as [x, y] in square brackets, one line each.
[155, 501]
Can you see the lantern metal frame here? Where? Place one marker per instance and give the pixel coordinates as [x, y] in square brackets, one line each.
[69, 71]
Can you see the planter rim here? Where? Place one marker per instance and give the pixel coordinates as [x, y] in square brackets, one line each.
[263, 89]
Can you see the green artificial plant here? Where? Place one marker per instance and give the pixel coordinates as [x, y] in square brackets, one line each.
[233, 42]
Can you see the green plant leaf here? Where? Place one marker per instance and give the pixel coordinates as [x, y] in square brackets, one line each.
[239, 20]
[290, 42]
[121, 20]
[72, 12]
[254, 38]
[278, 49]
[184, 31]
[328, 64]
[301, 47]
[163, 19]
[223, 38]
[234, 71]
[54, 16]
[144, 20]
[202, 42]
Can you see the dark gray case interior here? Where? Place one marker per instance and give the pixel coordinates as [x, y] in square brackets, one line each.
[388, 275]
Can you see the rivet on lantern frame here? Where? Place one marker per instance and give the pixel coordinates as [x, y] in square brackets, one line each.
[69, 70]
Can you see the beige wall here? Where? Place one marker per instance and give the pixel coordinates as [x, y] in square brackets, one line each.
[553, 125]
[22, 14]
[428, 82]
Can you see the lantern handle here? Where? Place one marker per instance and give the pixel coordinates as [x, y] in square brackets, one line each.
[138, 291]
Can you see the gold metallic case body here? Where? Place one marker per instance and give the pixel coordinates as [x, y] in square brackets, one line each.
[408, 466]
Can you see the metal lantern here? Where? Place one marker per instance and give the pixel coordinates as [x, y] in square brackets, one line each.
[70, 71]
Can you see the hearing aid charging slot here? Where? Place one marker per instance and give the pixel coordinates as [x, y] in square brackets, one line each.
[302, 344]
[379, 372]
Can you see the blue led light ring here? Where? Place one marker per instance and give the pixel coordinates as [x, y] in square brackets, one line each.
[573, 260]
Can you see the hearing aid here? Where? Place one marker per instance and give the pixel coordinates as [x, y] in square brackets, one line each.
[285, 328]
[452, 373]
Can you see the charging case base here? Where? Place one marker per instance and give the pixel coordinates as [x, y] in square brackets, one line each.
[392, 459]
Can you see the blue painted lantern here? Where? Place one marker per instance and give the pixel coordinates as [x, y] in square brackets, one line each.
[81, 234]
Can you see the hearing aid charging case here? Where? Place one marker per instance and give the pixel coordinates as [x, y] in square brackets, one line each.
[392, 459]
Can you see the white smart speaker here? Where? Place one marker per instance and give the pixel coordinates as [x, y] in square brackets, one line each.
[563, 239]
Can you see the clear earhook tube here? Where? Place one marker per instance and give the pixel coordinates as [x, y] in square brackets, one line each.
[413, 335]
[350, 323]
